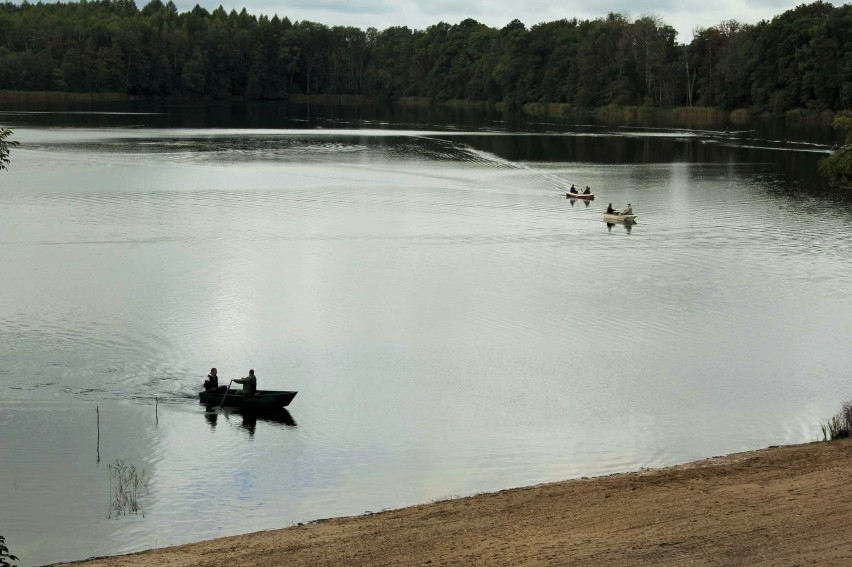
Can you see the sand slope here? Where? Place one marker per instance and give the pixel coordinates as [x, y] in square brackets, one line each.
[779, 506]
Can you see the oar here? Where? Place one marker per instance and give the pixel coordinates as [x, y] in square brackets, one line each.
[225, 396]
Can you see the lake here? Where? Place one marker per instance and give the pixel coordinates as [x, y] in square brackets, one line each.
[452, 322]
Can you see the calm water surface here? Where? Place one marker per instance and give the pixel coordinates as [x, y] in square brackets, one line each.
[452, 323]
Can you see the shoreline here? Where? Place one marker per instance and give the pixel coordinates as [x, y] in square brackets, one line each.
[781, 505]
[554, 110]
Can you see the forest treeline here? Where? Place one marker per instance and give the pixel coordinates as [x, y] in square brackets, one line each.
[800, 59]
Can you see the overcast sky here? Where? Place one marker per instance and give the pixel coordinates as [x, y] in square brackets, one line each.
[684, 15]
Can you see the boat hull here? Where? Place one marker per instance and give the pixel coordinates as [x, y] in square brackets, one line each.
[619, 218]
[263, 399]
[585, 196]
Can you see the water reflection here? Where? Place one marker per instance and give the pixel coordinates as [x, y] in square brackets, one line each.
[249, 417]
[628, 226]
[574, 201]
[212, 416]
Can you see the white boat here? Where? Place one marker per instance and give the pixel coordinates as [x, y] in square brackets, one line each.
[589, 196]
[619, 218]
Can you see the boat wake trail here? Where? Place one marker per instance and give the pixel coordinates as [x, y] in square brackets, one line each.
[548, 180]
[480, 157]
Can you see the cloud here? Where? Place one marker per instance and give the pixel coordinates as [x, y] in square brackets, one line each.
[341, 6]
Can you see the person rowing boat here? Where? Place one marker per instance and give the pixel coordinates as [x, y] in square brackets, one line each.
[249, 384]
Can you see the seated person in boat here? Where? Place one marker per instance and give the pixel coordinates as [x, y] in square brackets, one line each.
[572, 189]
[588, 190]
[212, 382]
[249, 384]
[628, 210]
[610, 210]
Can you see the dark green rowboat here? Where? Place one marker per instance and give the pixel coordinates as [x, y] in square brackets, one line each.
[262, 399]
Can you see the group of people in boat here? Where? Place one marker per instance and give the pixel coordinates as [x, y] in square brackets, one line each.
[627, 211]
[573, 190]
[249, 383]
[609, 209]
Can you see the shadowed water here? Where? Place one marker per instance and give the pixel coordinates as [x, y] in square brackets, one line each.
[452, 322]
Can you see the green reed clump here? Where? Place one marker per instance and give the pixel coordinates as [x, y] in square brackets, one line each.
[838, 426]
[703, 112]
[8, 96]
[551, 109]
[6, 558]
[739, 116]
[126, 486]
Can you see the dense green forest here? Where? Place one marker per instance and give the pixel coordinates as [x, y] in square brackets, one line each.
[800, 59]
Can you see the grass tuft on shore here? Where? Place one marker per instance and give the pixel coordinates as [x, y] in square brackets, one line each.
[838, 426]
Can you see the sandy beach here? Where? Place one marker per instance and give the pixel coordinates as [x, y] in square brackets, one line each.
[787, 506]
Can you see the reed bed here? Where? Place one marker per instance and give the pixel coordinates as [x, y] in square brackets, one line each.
[55, 96]
[331, 99]
[739, 116]
[127, 486]
[838, 426]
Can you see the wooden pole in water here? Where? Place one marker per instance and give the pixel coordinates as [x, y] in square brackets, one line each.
[156, 414]
[98, 448]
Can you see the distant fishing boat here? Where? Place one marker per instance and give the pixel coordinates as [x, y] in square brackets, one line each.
[619, 218]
